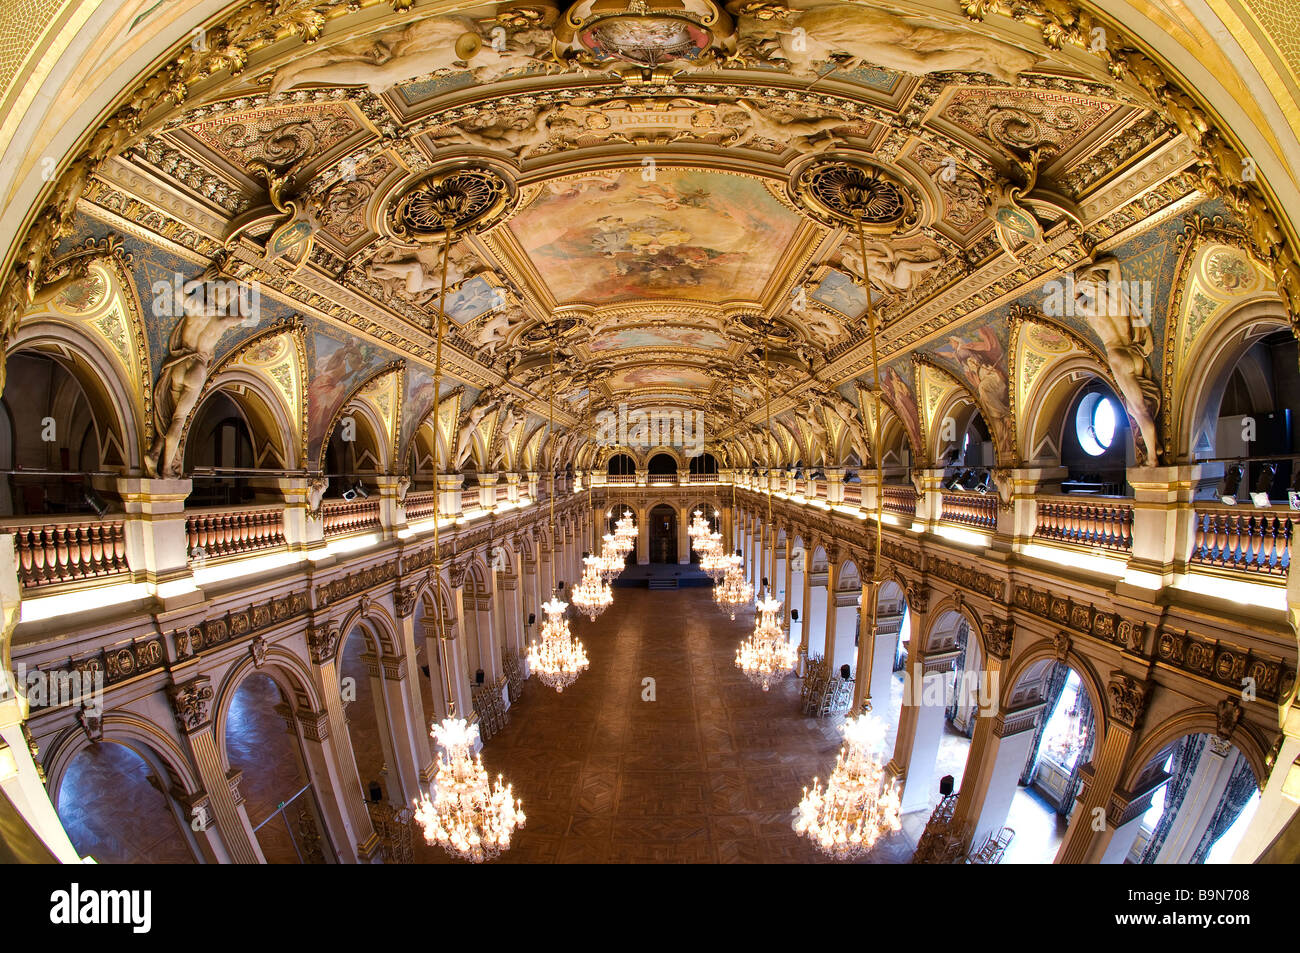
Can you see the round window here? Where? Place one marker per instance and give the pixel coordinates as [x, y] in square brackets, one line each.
[1095, 422]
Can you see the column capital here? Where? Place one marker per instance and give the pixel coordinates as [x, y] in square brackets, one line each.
[323, 641]
[998, 636]
[191, 701]
[1128, 698]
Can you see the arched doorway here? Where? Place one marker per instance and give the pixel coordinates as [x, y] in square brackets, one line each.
[261, 737]
[113, 806]
[663, 534]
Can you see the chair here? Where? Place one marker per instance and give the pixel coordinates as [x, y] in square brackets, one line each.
[993, 848]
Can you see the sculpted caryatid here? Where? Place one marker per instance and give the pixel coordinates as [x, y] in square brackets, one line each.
[180, 384]
[860, 36]
[434, 45]
[488, 402]
[510, 421]
[843, 408]
[897, 268]
[315, 493]
[1102, 300]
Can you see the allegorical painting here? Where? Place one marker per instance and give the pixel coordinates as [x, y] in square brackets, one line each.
[473, 298]
[651, 375]
[895, 393]
[982, 360]
[657, 337]
[841, 293]
[338, 365]
[677, 234]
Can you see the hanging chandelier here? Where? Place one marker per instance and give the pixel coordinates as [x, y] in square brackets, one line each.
[625, 532]
[611, 561]
[469, 816]
[558, 659]
[767, 655]
[734, 592]
[715, 561]
[592, 595]
[857, 806]
[698, 529]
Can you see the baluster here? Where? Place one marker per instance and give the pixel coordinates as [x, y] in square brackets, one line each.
[97, 559]
[26, 555]
[79, 552]
[1198, 544]
[56, 553]
[1268, 558]
[1231, 540]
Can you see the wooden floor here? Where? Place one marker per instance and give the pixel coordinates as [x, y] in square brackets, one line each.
[708, 772]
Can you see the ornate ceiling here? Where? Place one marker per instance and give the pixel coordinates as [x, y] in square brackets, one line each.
[646, 168]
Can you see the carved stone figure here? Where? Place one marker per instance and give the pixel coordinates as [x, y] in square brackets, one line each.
[488, 402]
[497, 327]
[403, 484]
[805, 135]
[180, 384]
[315, 493]
[898, 268]
[843, 408]
[510, 421]
[418, 272]
[1101, 298]
[433, 45]
[519, 133]
[822, 327]
[856, 35]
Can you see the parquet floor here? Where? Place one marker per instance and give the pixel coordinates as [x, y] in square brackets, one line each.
[707, 772]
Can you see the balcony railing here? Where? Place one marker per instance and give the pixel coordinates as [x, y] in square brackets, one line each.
[53, 553]
[1243, 539]
[979, 510]
[469, 499]
[227, 532]
[349, 516]
[661, 479]
[900, 500]
[624, 478]
[1107, 524]
[419, 505]
[703, 478]
[853, 493]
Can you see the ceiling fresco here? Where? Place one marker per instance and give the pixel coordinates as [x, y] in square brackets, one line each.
[647, 238]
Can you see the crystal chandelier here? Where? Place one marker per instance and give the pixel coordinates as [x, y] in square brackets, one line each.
[468, 816]
[698, 529]
[558, 659]
[734, 592]
[767, 655]
[610, 561]
[857, 806]
[625, 532]
[592, 594]
[715, 561]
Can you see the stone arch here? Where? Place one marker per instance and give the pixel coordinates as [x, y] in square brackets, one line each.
[378, 624]
[1195, 406]
[1043, 417]
[1033, 665]
[284, 668]
[1202, 720]
[939, 625]
[263, 412]
[120, 423]
[154, 744]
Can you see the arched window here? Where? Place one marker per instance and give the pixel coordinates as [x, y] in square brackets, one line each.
[1095, 442]
[620, 464]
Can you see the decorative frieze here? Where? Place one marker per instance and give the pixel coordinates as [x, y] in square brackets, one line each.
[113, 664]
[1224, 663]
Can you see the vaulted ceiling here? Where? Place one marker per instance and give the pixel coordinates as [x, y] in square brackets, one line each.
[649, 156]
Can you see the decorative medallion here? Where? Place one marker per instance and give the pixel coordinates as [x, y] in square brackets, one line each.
[466, 198]
[838, 192]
